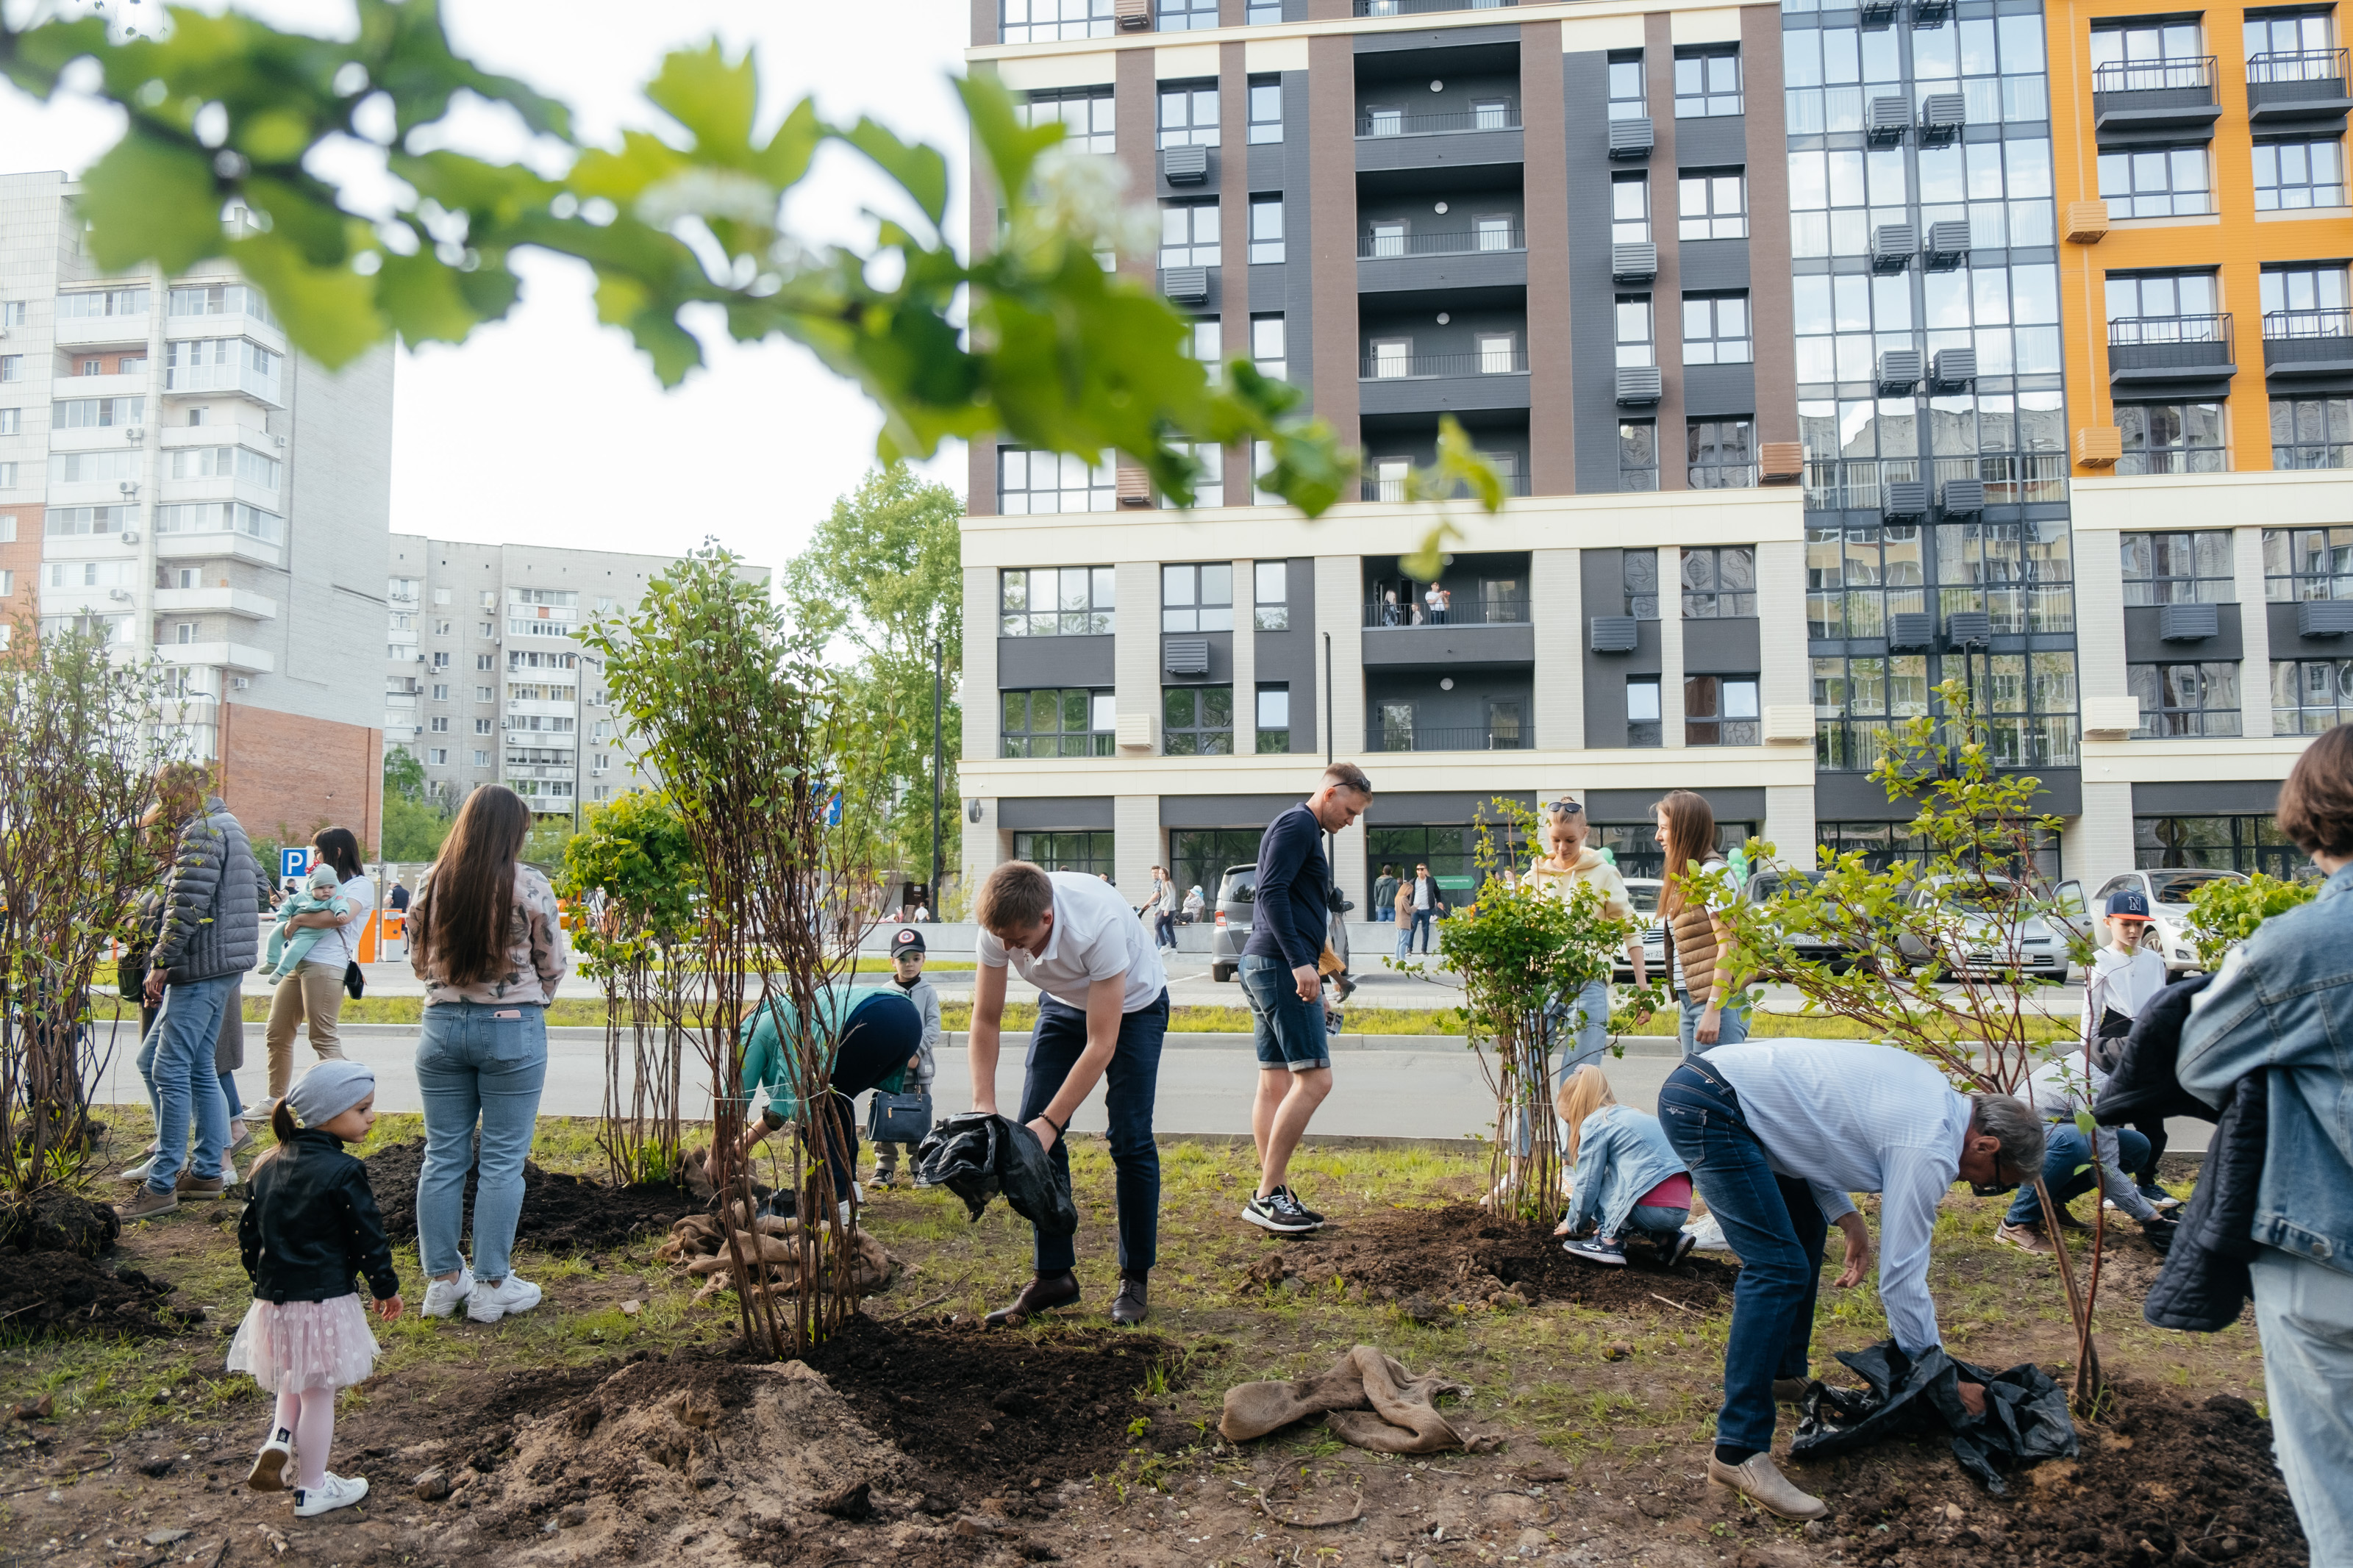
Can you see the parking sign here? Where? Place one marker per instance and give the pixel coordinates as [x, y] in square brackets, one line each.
[294, 864]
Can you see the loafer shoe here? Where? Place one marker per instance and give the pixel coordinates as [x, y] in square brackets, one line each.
[1760, 1480]
[1133, 1304]
[1043, 1293]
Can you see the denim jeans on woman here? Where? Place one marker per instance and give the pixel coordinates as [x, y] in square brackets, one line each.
[1775, 1228]
[185, 1084]
[2304, 1312]
[480, 1063]
[1732, 1023]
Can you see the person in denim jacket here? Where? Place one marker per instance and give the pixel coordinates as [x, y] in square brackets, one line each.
[2283, 1003]
[1627, 1173]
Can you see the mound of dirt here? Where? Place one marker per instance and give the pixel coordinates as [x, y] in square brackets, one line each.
[52, 1292]
[2164, 1480]
[560, 1213]
[58, 1221]
[1461, 1253]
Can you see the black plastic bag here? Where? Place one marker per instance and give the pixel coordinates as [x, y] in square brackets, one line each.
[2025, 1420]
[979, 1156]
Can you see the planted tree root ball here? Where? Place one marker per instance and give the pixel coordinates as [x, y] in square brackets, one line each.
[62, 1293]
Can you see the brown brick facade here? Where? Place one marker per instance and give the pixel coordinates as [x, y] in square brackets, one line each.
[286, 777]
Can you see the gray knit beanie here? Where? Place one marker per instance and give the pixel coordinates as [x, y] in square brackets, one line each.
[328, 1090]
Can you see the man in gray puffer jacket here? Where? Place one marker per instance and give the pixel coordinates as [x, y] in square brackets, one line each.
[211, 936]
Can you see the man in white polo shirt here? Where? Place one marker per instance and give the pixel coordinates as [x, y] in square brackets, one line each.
[1103, 1011]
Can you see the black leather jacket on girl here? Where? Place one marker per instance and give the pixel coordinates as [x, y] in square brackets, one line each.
[312, 1224]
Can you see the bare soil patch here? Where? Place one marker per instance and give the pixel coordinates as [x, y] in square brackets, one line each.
[54, 1220]
[561, 1213]
[2164, 1479]
[1461, 1254]
[65, 1294]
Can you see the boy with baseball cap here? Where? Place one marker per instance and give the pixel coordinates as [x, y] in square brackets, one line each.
[2123, 979]
[907, 961]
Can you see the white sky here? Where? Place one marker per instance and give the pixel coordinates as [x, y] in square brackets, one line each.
[549, 430]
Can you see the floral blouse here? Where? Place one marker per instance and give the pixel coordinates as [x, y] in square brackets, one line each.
[537, 958]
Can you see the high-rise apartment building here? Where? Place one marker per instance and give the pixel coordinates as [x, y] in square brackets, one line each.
[1777, 320]
[487, 681]
[173, 477]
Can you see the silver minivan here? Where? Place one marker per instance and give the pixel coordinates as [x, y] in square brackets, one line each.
[1237, 901]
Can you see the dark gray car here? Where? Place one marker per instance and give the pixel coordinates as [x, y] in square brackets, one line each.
[1237, 902]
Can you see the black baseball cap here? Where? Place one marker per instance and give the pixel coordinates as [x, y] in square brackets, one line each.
[905, 941]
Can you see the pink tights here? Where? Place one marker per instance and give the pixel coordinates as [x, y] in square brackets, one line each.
[309, 1415]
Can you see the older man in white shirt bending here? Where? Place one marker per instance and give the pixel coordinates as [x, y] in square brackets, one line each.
[1777, 1134]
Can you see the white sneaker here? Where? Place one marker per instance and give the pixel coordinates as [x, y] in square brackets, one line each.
[336, 1492]
[444, 1296]
[273, 1464]
[489, 1303]
[138, 1173]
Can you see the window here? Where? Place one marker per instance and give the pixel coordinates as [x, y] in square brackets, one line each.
[1379, 121]
[1089, 854]
[1085, 113]
[1858, 704]
[1208, 470]
[440, 661]
[1188, 233]
[2308, 564]
[90, 575]
[1074, 723]
[12, 421]
[2312, 432]
[93, 367]
[1273, 720]
[1496, 231]
[438, 756]
[12, 367]
[1183, 15]
[8, 476]
[1267, 347]
[1643, 721]
[1716, 329]
[485, 661]
[207, 364]
[2310, 695]
[1203, 342]
[2301, 174]
[1392, 358]
[86, 304]
[1712, 206]
[1629, 209]
[2279, 45]
[1720, 711]
[94, 467]
[1271, 594]
[481, 726]
[2217, 844]
[1265, 13]
[444, 629]
[12, 312]
[1265, 107]
[1626, 86]
[1707, 81]
[2177, 568]
[1197, 598]
[1720, 455]
[490, 629]
[1638, 455]
[2171, 438]
[1265, 230]
[1188, 109]
[482, 760]
[2185, 698]
[2305, 302]
[2143, 56]
[225, 462]
[1044, 21]
[486, 694]
[1499, 354]
[441, 692]
[71, 521]
[1197, 720]
[1719, 581]
[1045, 601]
[488, 598]
[1261, 465]
[2161, 181]
[221, 299]
[1635, 346]
[439, 726]
[1042, 482]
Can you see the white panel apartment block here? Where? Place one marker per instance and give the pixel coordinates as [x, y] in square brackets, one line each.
[1557, 617]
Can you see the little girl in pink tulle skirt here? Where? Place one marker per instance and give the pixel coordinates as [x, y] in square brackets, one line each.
[312, 1226]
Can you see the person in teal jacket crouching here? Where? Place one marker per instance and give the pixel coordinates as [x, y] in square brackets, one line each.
[875, 1036]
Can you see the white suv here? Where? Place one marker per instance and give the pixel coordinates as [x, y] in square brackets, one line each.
[2168, 893]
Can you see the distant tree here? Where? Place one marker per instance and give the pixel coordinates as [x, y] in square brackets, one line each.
[414, 821]
[883, 573]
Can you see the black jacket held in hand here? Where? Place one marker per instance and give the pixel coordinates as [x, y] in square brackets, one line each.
[2025, 1418]
[978, 1154]
[312, 1224]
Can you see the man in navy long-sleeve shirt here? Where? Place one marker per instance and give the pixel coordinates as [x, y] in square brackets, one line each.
[1279, 977]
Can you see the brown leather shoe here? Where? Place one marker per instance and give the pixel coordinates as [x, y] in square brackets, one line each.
[191, 1185]
[1044, 1293]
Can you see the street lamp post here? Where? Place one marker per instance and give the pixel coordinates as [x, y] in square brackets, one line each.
[938, 769]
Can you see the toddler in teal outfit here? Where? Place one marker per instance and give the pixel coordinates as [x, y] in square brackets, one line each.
[286, 957]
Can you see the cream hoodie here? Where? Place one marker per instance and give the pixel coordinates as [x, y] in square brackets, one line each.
[1592, 869]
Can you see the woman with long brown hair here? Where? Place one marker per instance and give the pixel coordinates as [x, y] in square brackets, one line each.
[1712, 1014]
[484, 937]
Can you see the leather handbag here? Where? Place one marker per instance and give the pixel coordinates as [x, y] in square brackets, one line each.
[354, 982]
[899, 1117]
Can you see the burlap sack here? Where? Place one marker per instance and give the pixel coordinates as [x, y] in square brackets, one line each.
[1369, 1401]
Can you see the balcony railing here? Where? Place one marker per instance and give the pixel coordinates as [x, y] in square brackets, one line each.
[2284, 325]
[1409, 367]
[1397, 123]
[1393, 490]
[2158, 347]
[1448, 738]
[1467, 610]
[1417, 7]
[2011, 478]
[2190, 73]
[2309, 65]
[1451, 242]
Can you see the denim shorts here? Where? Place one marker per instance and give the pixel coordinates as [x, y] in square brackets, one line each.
[1287, 1028]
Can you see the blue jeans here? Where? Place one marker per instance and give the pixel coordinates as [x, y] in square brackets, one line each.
[1421, 927]
[1660, 1224]
[1287, 1030]
[486, 1064]
[2304, 1312]
[1405, 938]
[1131, 1083]
[1731, 1024]
[186, 1087]
[1774, 1226]
[2068, 1170]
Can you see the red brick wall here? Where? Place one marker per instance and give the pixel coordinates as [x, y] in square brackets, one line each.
[23, 558]
[286, 777]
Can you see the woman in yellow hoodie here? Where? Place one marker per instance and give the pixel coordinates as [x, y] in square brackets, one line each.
[1565, 863]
